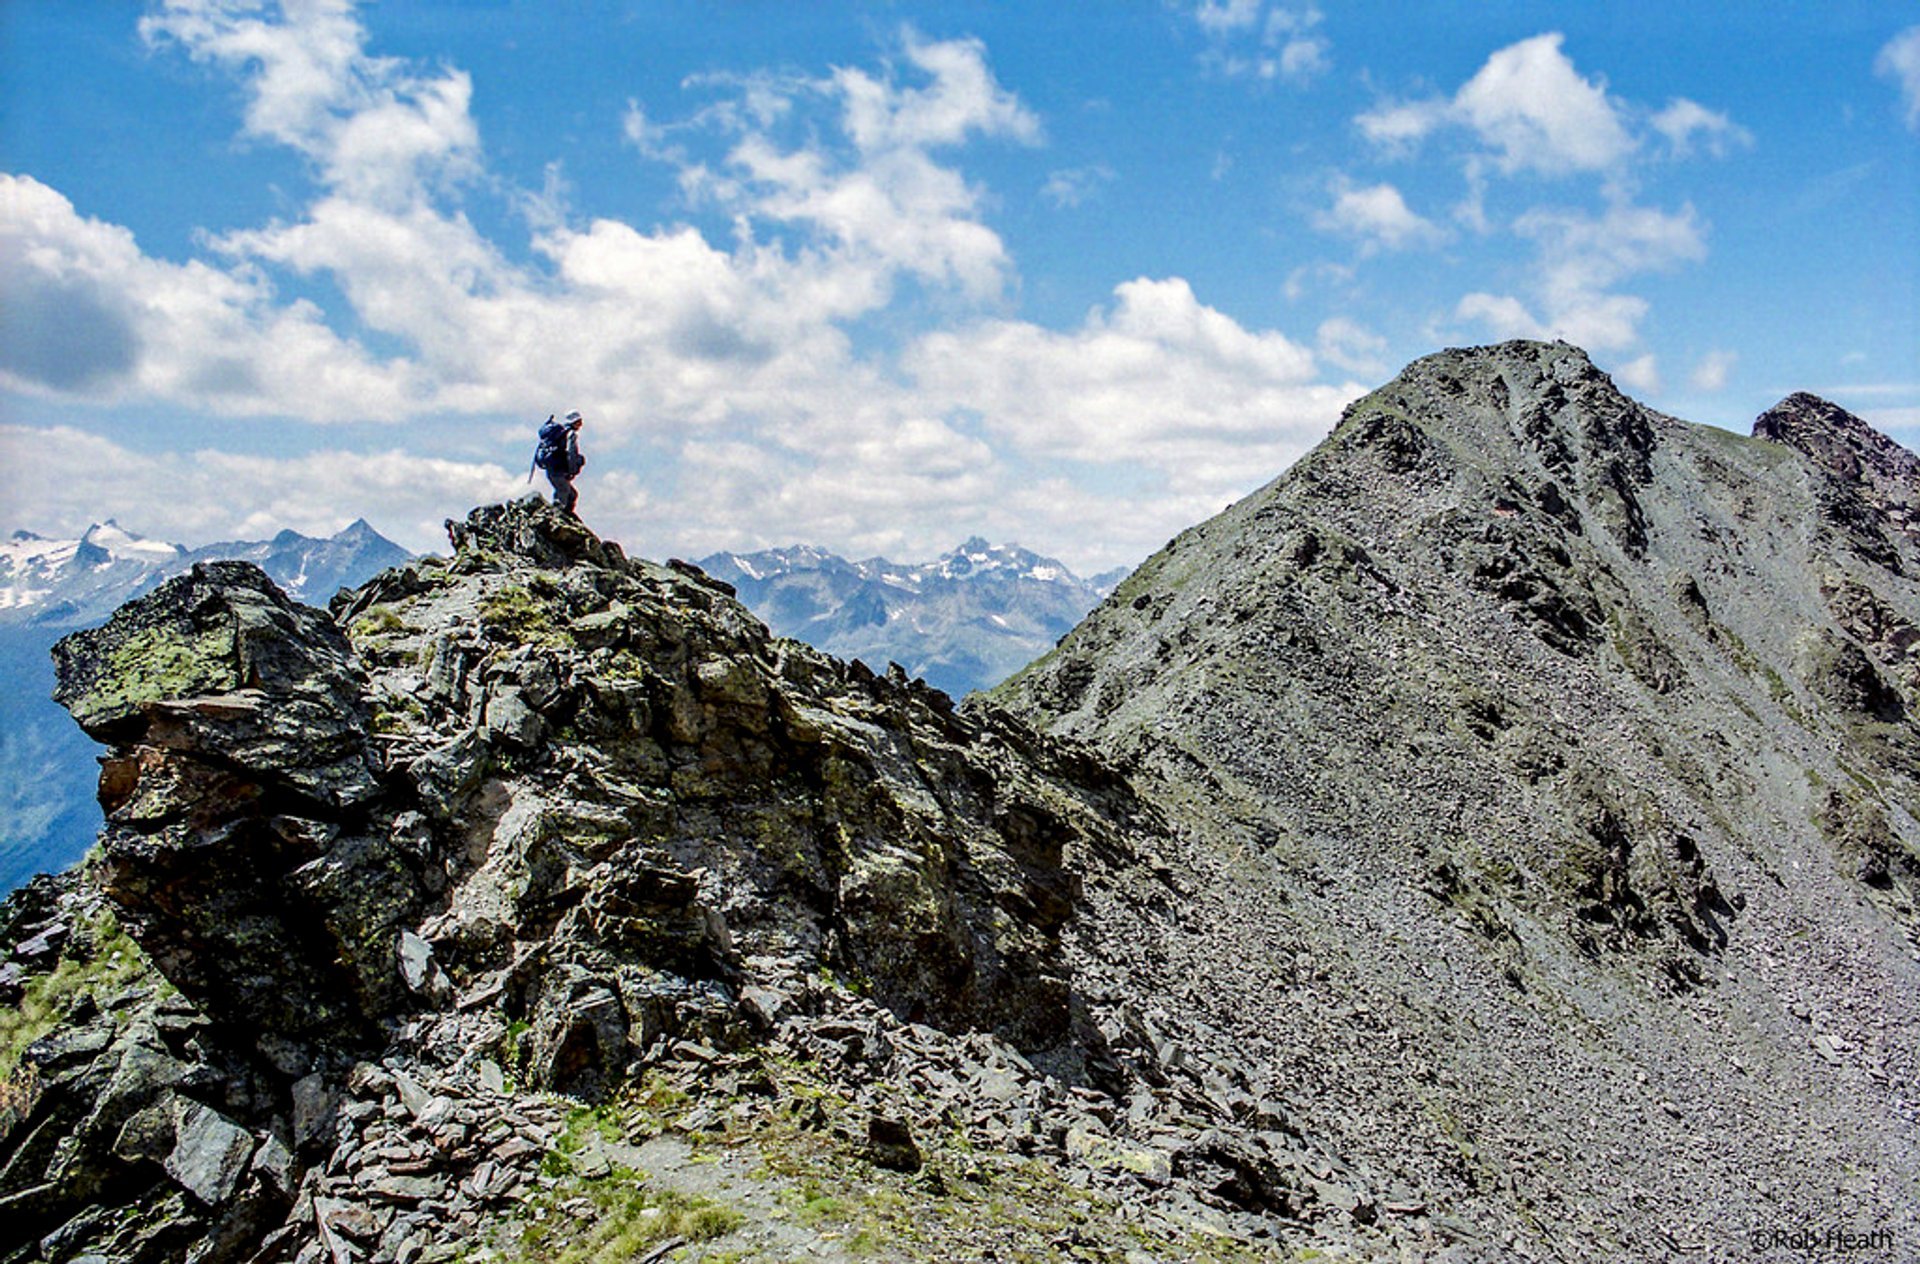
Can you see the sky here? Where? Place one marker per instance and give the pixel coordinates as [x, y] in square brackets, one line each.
[882, 276]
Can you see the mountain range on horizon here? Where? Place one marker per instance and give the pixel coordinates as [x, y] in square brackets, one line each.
[74, 582]
[51, 586]
[964, 621]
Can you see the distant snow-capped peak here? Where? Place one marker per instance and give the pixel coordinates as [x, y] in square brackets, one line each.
[121, 544]
[72, 581]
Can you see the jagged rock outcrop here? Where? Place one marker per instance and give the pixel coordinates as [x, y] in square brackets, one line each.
[1561, 757]
[542, 818]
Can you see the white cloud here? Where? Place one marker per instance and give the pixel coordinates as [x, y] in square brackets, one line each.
[1641, 374]
[1159, 385]
[1074, 186]
[1304, 59]
[1400, 125]
[376, 129]
[1224, 17]
[728, 368]
[617, 315]
[963, 99]
[1686, 124]
[1579, 258]
[196, 497]
[1585, 252]
[1284, 44]
[1530, 107]
[1899, 61]
[1532, 111]
[1352, 346]
[1712, 371]
[1504, 314]
[89, 316]
[1530, 103]
[1378, 217]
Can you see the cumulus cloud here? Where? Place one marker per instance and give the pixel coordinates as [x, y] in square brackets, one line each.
[728, 369]
[375, 128]
[1578, 259]
[1686, 124]
[1529, 114]
[1640, 374]
[91, 317]
[1225, 17]
[196, 497]
[1899, 61]
[1352, 346]
[1528, 106]
[1538, 112]
[1377, 217]
[604, 314]
[1158, 384]
[963, 99]
[1530, 110]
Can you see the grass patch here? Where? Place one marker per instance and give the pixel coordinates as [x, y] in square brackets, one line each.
[377, 621]
[115, 961]
[627, 1219]
[520, 616]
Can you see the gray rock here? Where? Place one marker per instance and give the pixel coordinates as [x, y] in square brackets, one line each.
[416, 960]
[890, 1144]
[314, 1104]
[401, 1188]
[509, 719]
[275, 1163]
[210, 1154]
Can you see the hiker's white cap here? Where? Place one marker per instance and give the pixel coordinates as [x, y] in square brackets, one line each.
[574, 417]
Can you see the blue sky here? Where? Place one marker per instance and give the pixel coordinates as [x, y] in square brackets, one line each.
[882, 276]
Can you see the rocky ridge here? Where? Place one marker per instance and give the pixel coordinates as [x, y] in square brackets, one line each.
[1560, 758]
[525, 875]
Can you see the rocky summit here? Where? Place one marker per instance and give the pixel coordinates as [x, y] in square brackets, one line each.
[539, 850]
[1496, 839]
[1545, 774]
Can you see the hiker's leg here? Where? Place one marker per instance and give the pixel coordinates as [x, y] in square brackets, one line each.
[563, 491]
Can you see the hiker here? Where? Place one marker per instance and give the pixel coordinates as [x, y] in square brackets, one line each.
[558, 453]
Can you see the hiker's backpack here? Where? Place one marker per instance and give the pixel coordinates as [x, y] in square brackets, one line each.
[550, 453]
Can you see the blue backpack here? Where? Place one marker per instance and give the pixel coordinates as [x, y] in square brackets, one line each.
[550, 453]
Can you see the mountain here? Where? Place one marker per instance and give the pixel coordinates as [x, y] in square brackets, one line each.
[71, 582]
[48, 817]
[965, 621]
[77, 583]
[1548, 774]
[1496, 839]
